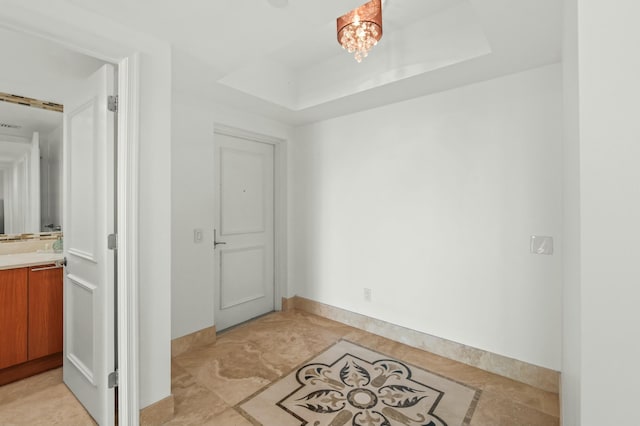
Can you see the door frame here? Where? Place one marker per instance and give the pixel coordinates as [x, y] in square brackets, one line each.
[279, 203]
[128, 89]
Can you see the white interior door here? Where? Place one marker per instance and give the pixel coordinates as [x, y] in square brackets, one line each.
[244, 253]
[89, 339]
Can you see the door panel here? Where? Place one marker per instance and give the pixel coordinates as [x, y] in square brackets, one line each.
[245, 223]
[83, 179]
[81, 326]
[238, 283]
[243, 201]
[89, 337]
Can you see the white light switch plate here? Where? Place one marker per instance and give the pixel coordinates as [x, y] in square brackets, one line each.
[541, 245]
[197, 235]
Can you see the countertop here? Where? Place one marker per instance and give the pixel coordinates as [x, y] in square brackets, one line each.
[25, 260]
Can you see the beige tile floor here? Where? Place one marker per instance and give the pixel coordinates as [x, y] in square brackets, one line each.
[41, 400]
[208, 382]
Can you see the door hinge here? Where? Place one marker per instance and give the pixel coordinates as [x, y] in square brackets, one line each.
[113, 379]
[112, 103]
[112, 241]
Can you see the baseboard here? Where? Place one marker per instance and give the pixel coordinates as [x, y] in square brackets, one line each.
[158, 413]
[533, 375]
[183, 344]
[30, 368]
[288, 304]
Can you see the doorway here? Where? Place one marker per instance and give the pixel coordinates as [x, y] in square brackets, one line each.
[52, 72]
[247, 232]
[144, 156]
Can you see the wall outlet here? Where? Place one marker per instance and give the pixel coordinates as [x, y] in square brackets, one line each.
[367, 295]
[197, 235]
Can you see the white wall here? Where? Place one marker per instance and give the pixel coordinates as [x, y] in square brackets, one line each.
[431, 203]
[155, 223]
[192, 205]
[609, 89]
[571, 363]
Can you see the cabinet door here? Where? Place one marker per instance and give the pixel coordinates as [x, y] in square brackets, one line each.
[13, 317]
[45, 311]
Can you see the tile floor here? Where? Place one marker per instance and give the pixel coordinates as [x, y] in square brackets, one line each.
[210, 381]
[349, 384]
[41, 400]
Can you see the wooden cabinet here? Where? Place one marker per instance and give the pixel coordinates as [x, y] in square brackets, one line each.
[30, 321]
[13, 316]
[45, 311]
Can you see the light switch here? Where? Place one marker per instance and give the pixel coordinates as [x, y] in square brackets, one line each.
[541, 245]
[197, 235]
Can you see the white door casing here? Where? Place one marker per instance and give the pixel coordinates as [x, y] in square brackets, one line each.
[244, 223]
[89, 338]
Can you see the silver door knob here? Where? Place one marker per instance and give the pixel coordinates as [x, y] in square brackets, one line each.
[216, 243]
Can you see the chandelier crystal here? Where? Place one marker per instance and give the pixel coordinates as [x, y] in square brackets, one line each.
[361, 29]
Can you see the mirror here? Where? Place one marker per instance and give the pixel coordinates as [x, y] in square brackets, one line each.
[30, 166]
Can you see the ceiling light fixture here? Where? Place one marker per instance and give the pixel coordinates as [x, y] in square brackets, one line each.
[361, 29]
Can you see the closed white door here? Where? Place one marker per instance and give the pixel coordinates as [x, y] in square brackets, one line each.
[89, 339]
[244, 232]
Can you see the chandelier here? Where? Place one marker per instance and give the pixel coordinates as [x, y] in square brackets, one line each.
[361, 29]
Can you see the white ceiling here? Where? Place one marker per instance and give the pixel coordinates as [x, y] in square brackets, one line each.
[419, 37]
[285, 63]
[40, 69]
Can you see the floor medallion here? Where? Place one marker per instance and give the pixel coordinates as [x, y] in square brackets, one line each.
[351, 385]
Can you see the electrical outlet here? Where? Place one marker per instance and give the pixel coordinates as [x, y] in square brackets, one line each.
[367, 295]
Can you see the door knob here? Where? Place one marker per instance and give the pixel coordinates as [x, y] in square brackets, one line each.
[216, 243]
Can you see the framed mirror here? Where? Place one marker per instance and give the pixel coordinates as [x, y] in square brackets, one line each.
[30, 166]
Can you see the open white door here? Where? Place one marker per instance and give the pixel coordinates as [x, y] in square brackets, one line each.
[89, 338]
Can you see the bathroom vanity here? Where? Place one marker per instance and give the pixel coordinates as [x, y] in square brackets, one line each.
[30, 314]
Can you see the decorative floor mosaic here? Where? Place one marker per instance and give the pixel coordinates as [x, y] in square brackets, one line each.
[351, 385]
